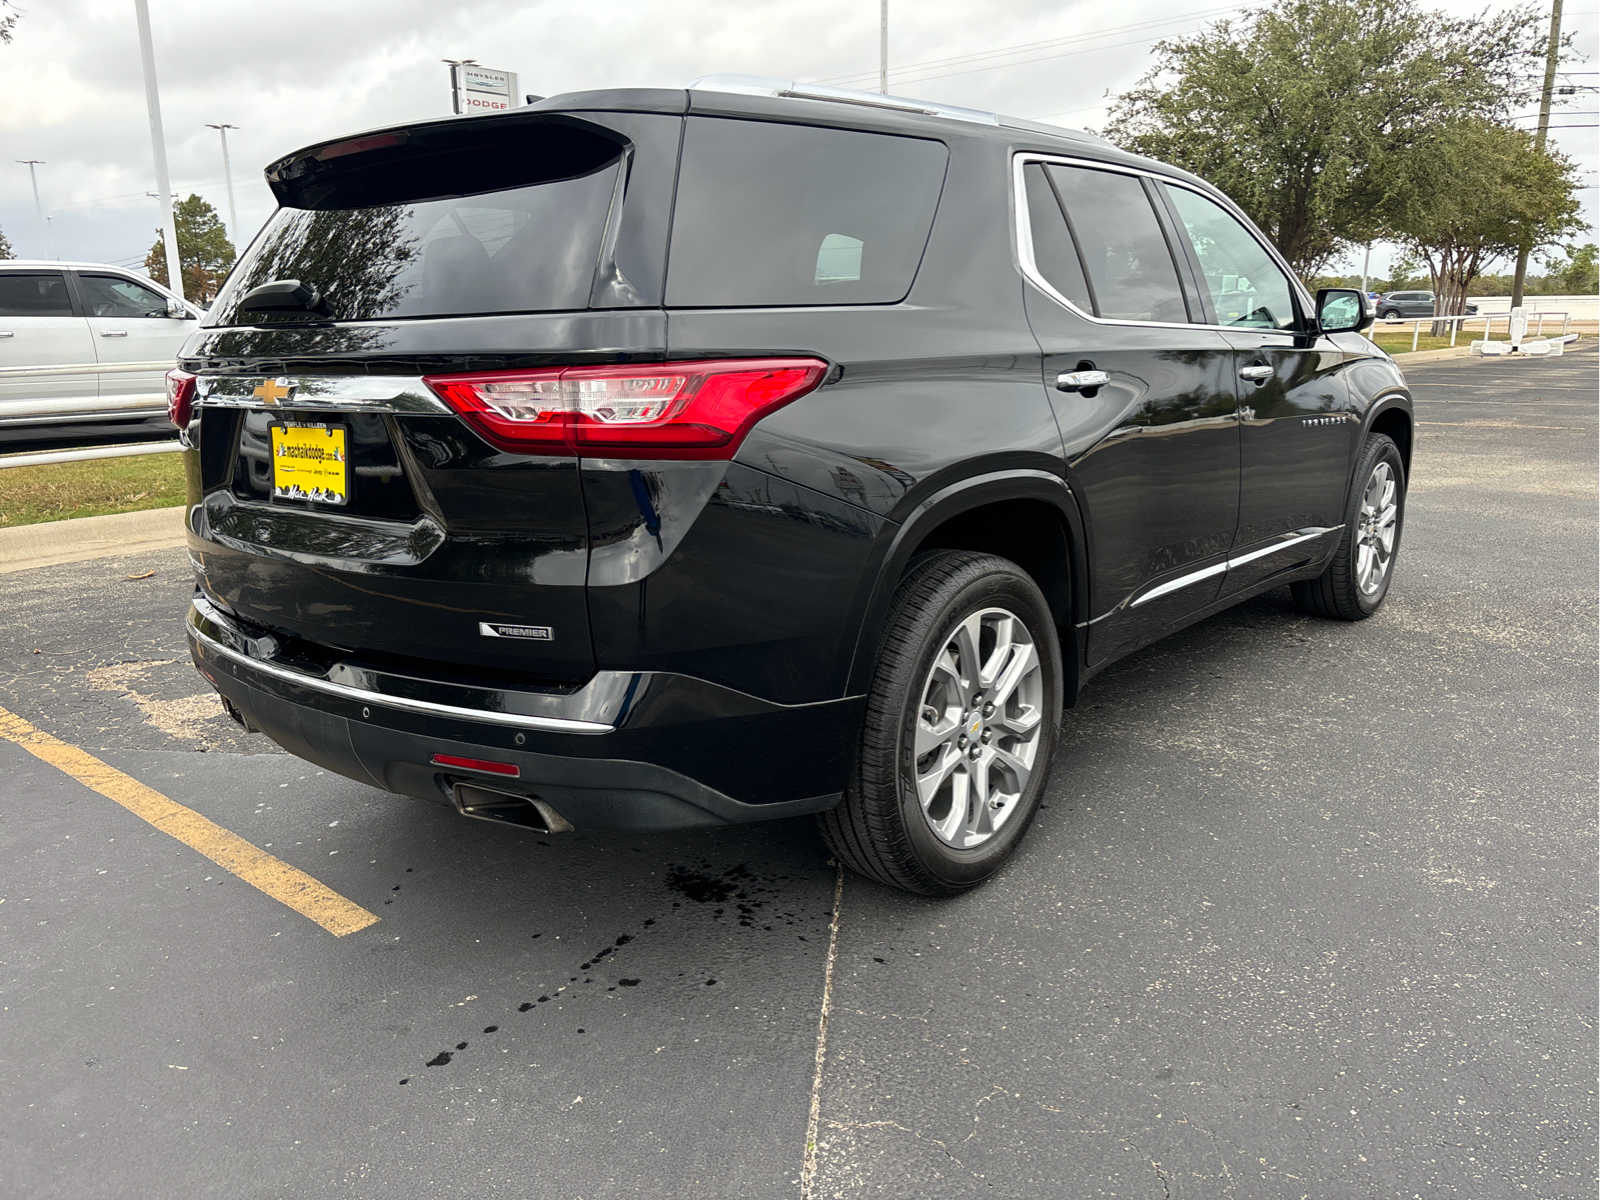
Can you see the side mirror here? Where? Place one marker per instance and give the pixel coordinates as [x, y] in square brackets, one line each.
[177, 308]
[1342, 310]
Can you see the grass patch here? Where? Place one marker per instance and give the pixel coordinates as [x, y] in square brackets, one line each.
[1399, 342]
[29, 495]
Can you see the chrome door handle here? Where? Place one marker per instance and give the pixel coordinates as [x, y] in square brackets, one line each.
[1256, 374]
[113, 333]
[1078, 381]
[6, 333]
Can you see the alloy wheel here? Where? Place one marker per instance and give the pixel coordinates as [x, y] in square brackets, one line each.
[978, 727]
[1376, 524]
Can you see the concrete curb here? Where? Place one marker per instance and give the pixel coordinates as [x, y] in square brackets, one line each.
[1417, 356]
[54, 542]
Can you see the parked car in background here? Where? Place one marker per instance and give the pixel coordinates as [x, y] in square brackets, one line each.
[1396, 305]
[85, 342]
[658, 458]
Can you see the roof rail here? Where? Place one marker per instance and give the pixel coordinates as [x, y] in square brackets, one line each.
[761, 85]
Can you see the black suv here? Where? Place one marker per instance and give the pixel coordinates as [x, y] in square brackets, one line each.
[650, 459]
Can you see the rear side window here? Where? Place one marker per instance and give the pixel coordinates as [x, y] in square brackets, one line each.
[772, 214]
[1054, 254]
[42, 295]
[1123, 248]
[531, 248]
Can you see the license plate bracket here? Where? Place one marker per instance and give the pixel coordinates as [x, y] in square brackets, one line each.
[310, 462]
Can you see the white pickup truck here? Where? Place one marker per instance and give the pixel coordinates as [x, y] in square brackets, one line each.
[84, 342]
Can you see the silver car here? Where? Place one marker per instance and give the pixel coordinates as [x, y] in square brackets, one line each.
[84, 342]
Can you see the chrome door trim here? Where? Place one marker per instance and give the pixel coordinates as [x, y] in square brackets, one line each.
[1183, 581]
[1286, 540]
[1290, 539]
[356, 393]
[409, 704]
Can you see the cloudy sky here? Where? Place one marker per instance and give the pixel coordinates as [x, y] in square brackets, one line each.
[295, 71]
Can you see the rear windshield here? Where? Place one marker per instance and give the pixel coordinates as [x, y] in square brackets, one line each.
[772, 214]
[524, 249]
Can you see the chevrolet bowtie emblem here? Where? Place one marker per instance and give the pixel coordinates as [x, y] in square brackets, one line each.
[270, 391]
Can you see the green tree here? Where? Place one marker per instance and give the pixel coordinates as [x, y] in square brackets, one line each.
[5, 247]
[203, 249]
[1300, 110]
[1578, 273]
[1469, 193]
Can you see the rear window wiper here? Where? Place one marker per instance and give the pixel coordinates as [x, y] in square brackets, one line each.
[284, 295]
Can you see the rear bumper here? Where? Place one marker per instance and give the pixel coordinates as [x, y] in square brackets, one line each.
[631, 750]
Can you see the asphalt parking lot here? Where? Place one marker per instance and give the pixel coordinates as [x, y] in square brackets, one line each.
[1310, 912]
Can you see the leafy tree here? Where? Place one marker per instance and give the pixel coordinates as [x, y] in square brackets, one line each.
[1469, 193]
[1579, 272]
[8, 19]
[5, 247]
[1405, 275]
[204, 250]
[1299, 111]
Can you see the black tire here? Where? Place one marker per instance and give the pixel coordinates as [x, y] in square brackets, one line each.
[1390, 314]
[1335, 593]
[878, 829]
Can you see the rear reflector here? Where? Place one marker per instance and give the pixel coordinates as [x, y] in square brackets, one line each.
[670, 410]
[486, 765]
[180, 397]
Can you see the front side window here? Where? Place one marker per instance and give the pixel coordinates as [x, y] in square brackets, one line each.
[42, 295]
[1247, 287]
[772, 214]
[114, 296]
[1120, 243]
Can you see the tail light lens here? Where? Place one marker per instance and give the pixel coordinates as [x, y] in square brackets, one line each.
[669, 410]
[180, 397]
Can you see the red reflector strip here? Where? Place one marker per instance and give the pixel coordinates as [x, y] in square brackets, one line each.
[180, 396]
[699, 409]
[486, 765]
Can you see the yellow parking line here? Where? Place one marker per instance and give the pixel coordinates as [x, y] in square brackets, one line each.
[287, 885]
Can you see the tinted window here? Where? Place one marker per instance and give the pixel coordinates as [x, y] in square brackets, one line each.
[786, 214]
[1053, 252]
[525, 249]
[1129, 264]
[33, 295]
[1247, 287]
[114, 296]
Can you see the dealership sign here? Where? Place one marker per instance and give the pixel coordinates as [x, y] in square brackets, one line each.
[477, 90]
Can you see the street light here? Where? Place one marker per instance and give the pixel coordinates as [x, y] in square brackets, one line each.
[33, 165]
[227, 173]
[158, 145]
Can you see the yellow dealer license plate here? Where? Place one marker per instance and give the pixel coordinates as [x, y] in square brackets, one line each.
[308, 463]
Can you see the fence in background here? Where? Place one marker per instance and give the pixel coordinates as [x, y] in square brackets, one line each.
[1536, 324]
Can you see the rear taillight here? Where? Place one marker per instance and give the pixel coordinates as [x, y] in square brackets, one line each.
[180, 396]
[670, 410]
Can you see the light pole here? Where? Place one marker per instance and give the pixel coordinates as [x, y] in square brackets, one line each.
[227, 173]
[1552, 54]
[883, 47]
[33, 165]
[455, 89]
[158, 144]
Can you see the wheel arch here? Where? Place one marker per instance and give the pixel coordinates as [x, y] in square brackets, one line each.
[1028, 516]
[1392, 417]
